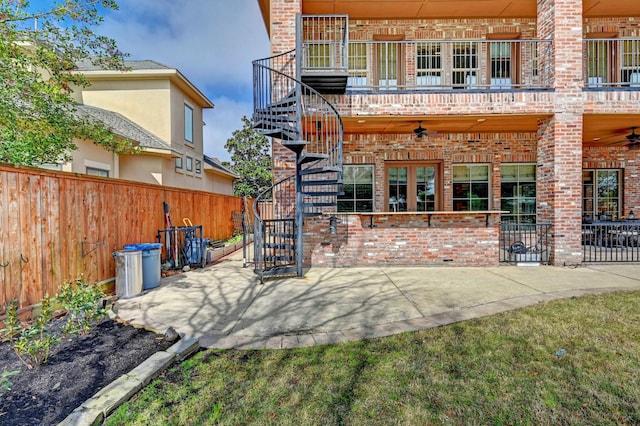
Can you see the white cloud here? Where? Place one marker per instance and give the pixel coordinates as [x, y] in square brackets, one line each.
[221, 123]
[212, 42]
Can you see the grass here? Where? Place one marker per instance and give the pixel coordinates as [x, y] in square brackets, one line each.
[503, 369]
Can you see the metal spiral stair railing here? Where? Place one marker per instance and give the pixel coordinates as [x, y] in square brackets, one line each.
[308, 125]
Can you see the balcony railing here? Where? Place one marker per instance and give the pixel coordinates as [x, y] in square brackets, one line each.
[612, 63]
[437, 64]
[323, 41]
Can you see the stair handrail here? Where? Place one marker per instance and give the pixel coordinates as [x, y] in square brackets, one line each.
[319, 124]
[258, 220]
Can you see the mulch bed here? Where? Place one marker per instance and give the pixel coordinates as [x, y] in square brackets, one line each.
[76, 371]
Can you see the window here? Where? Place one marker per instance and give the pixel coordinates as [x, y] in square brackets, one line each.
[465, 65]
[631, 62]
[500, 63]
[188, 124]
[412, 187]
[189, 164]
[471, 187]
[97, 172]
[518, 193]
[317, 55]
[601, 192]
[198, 166]
[358, 189]
[179, 165]
[429, 64]
[388, 65]
[357, 65]
[388, 61]
[600, 62]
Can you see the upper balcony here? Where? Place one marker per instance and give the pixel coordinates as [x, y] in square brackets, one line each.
[432, 65]
[612, 63]
[331, 63]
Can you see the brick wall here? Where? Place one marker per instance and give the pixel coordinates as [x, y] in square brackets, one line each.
[556, 148]
[441, 29]
[406, 240]
[446, 150]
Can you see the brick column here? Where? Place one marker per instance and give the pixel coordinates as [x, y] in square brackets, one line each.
[560, 136]
[283, 24]
[283, 39]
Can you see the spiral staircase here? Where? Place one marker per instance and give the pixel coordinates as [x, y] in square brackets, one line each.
[301, 120]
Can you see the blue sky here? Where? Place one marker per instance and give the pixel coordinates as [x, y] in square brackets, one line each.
[212, 42]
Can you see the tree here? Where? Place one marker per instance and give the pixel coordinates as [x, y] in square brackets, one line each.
[250, 159]
[38, 52]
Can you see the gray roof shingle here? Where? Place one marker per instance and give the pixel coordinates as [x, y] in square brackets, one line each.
[122, 126]
[145, 64]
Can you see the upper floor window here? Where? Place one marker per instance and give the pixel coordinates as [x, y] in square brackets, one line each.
[198, 166]
[631, 62]
[357, 65]
[317, 55]
[465, 65]
[188, 123]
[358, 189]
[600, 62]
[189, 164]
[471, 187]
[179, 165]
[93, 171]
[503, 61]
[429, 64]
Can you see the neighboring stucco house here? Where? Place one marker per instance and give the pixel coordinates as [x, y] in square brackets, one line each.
[158, 108]
[443, 132]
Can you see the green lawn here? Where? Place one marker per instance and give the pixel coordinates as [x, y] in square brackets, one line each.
[574, 361]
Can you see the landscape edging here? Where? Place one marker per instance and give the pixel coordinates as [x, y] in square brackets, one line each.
[94, 410]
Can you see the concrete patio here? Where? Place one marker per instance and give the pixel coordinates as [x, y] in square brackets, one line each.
[225, 306]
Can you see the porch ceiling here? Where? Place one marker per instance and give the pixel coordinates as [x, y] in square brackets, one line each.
[598, 129]
[442, 124]
[421, 9]
[608, 129]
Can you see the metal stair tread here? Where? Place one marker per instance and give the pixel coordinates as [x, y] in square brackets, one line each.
[318, 204]
[321, 193]
[322, 182]
[320, 170]
[311, 157]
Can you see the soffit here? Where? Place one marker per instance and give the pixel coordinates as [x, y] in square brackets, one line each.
[598, 129]
[442, 124]
[608, 129]
[423, 9]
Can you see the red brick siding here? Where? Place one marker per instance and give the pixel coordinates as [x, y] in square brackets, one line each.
[556, 148]
[470, 243]
[492, 149]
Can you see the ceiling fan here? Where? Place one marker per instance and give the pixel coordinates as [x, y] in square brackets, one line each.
[632, 140]
[420, 131]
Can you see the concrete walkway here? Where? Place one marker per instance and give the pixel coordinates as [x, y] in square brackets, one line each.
[225, 306]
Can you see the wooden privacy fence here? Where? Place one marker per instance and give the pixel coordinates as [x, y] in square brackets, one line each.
[57, 226]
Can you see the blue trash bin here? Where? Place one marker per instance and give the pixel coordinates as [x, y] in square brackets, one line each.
[150, 263]
[194, 248]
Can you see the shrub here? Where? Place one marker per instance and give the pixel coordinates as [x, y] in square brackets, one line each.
[82, 303]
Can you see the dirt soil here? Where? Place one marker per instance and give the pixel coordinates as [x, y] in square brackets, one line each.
[76, 371]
